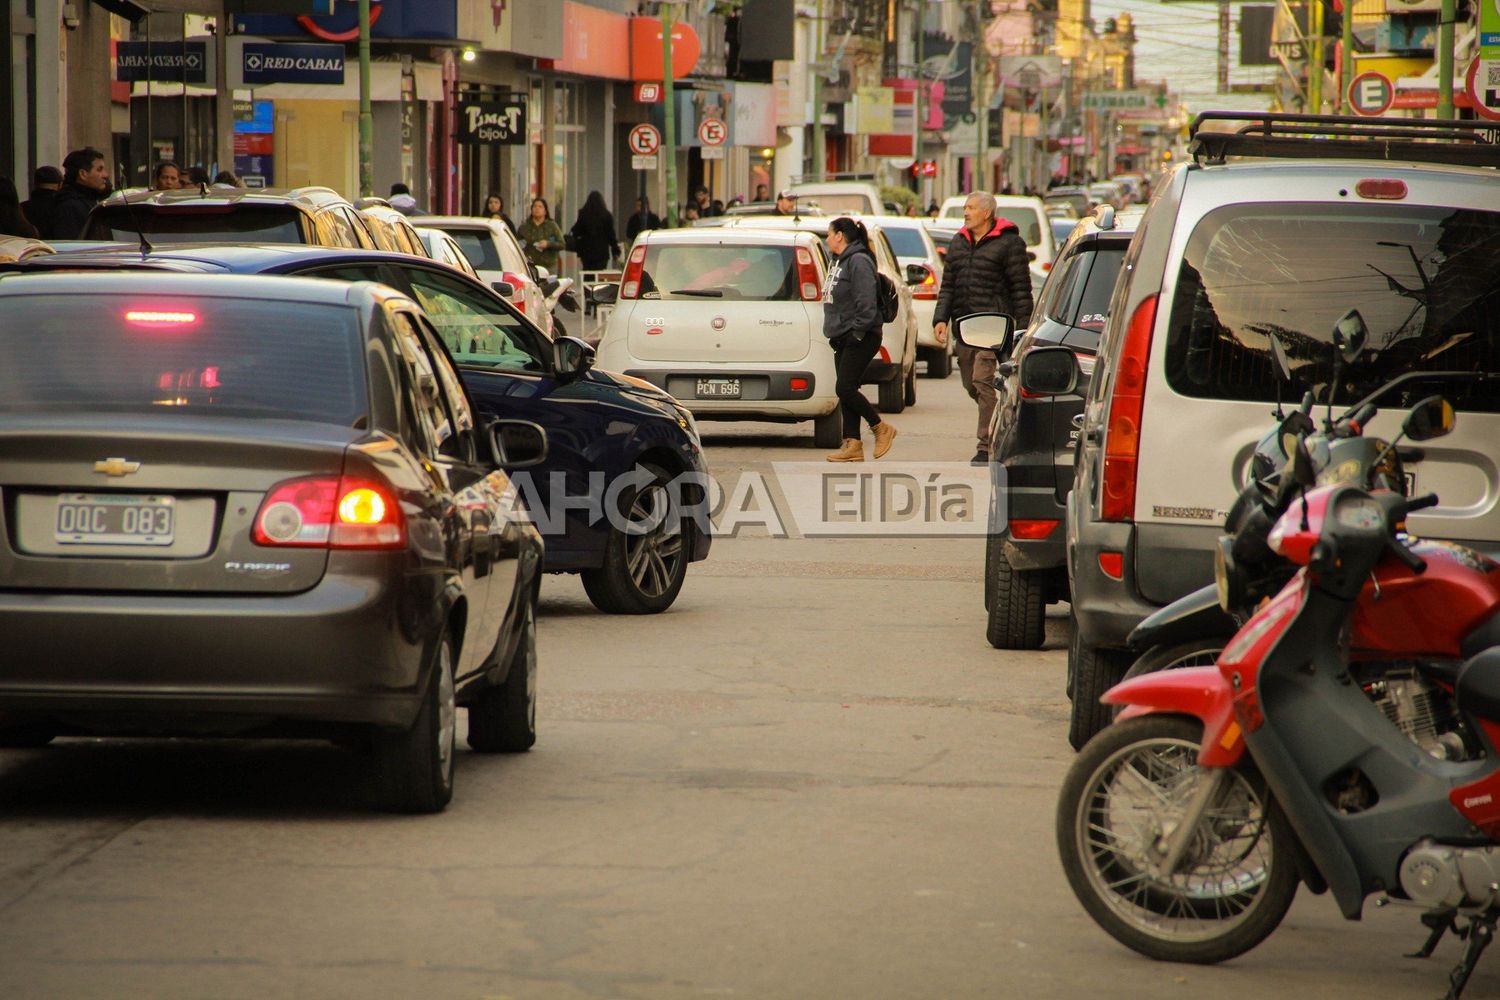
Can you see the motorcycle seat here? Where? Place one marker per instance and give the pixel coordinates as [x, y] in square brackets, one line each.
[1487, 634]
[1478, 689]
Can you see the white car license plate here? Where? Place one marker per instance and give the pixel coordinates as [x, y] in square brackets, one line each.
[114, 519]
[718, 388]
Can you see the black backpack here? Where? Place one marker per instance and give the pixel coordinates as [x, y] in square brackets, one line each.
[887, 296]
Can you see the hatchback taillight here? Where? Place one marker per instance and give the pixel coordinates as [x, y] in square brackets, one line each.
[517, 282]
[807, 276]
[330, 512]
[928, 289]
[635, 270]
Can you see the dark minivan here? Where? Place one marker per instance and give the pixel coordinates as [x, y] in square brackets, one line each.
[1033, 437]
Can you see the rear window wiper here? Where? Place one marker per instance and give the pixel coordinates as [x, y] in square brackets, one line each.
[706, 293]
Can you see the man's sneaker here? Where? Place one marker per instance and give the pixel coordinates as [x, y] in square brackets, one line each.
[980, 458]
[884, 435]
[852, 451]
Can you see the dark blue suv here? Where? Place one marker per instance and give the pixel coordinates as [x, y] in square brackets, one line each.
[611, 439]
[1033, 437]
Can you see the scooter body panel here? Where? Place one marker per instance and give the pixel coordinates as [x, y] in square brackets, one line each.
[1405, 615]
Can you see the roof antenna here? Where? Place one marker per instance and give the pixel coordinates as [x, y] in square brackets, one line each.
[135, 222]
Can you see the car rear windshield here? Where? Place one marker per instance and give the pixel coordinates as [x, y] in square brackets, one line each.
[688, 271]
[143, 353]
[906, 242]
[479, 246]
[830, 203]
[1026, 219]
[1423, 279]
[198, 224]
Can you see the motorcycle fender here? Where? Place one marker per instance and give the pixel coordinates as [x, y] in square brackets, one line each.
[1201, 692]
[1193, 616]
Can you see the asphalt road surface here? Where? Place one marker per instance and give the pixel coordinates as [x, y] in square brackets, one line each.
[811, 778]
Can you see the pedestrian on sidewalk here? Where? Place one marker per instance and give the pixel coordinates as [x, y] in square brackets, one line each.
[494, 208]
[541, 237]
[986, 270]
[642, 220]
[38, 208]
[594, 234]
[85, 184]
[852, 324]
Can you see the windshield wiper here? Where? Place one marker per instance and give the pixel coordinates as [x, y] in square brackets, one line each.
[705, 293]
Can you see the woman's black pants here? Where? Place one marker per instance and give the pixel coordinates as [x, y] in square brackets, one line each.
[850, 363]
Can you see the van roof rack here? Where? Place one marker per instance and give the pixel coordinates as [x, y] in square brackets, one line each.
[1348, 137]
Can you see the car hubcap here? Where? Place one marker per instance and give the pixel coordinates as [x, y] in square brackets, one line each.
[1132, 804]
[653, 548]
[447, 713]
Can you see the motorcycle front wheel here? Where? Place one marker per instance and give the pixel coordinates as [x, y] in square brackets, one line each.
[1125, 794]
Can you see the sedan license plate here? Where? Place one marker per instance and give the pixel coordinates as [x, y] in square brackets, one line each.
[114, 519]
[718, 388]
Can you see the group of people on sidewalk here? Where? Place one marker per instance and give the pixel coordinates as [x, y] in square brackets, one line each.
[61, 199]
[987, 269]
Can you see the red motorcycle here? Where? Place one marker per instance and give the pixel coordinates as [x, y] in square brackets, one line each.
[1186, 827]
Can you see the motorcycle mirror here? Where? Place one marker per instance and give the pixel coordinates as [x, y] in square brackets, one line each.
[1350, 335]
[1431, 418]
[1278, 355]
[1303, 472]
[1293, 429]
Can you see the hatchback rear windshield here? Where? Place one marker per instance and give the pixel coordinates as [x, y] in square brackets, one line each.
[906, 242]
[1423, 278]
[479, 246]
[147, 353]
[742, 273]
[198, 224]
[1026, 219]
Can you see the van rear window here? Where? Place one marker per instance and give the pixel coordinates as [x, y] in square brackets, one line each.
[197, 224]
[741, 273]
[1422, 278]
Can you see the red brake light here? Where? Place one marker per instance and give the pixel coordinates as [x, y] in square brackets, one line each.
[1382, 190]
[518, 283]
[1032, 530]
[330, 512]
[1122, 442]
[1112, 564]
[161, 317]
[635, 270]
[928, 289]
[799, 385]
[807, 276]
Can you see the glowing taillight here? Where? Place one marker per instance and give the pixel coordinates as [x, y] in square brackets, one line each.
[799, 385]
[330, 512]
[928, 289]
[1381, 189]
[160, 317]
[635, 270]
[1032, 530]
[1122, 442]
[807, 276]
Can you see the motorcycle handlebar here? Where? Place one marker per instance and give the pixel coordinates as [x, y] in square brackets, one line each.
[1413, 562]
[1422, 502]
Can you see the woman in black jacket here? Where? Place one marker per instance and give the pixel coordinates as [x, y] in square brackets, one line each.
[594, 234]
[851, 322]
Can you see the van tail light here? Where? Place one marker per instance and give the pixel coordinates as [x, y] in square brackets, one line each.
[635, 271]
[1112, 565]
[928, 289]
[1032, 530]
[330, 512]
[1122, 440]
[1381, 190]
[518, 283]
[807, 276]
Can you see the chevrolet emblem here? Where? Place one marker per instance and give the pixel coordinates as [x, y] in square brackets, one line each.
[116, 467]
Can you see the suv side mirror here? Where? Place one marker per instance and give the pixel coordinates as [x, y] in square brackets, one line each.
[571, 357]
[517, 444]
[1431, 418]
[990, 331]
[1049, 371]
[505, 288]
[916, 273]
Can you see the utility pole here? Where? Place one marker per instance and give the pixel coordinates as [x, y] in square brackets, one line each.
[981, 105]
[1223, 46]
[1315, 61]
[1346, 57]
[1445, 59]
[918, 104]
[669, 116]
[366, 121]
[819, 154]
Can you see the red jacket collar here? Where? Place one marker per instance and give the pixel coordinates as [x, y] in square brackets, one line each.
[1000, 226]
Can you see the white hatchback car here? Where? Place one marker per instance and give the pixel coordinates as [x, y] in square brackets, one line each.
[912, 242]
[497, 258]
[729, 322]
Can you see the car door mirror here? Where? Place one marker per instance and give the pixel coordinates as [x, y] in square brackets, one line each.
[1431, 418]
[603, 295]
[505, 288]
[987, 331]
[1050, 371]
[571, 357]
[517, 444]
[916, 274]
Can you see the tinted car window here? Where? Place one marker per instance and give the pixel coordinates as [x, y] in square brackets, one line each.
[475, 329]
[432, 412]
[479, 246]
[1422, 278]
[743, 273]
[906, 242]
[1086, 304]
[1057, 290]
[210, 224]
[142, 353]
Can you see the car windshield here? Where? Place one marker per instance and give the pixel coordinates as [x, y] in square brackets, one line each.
[695, 271]
[1421, 277]
[1026, 219]
[479, 246]
[197, 224]
[142, 353]
[906, 241]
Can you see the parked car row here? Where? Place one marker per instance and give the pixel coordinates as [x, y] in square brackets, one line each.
[264, 480]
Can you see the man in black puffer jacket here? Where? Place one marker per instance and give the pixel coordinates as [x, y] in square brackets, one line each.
[986, 270]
